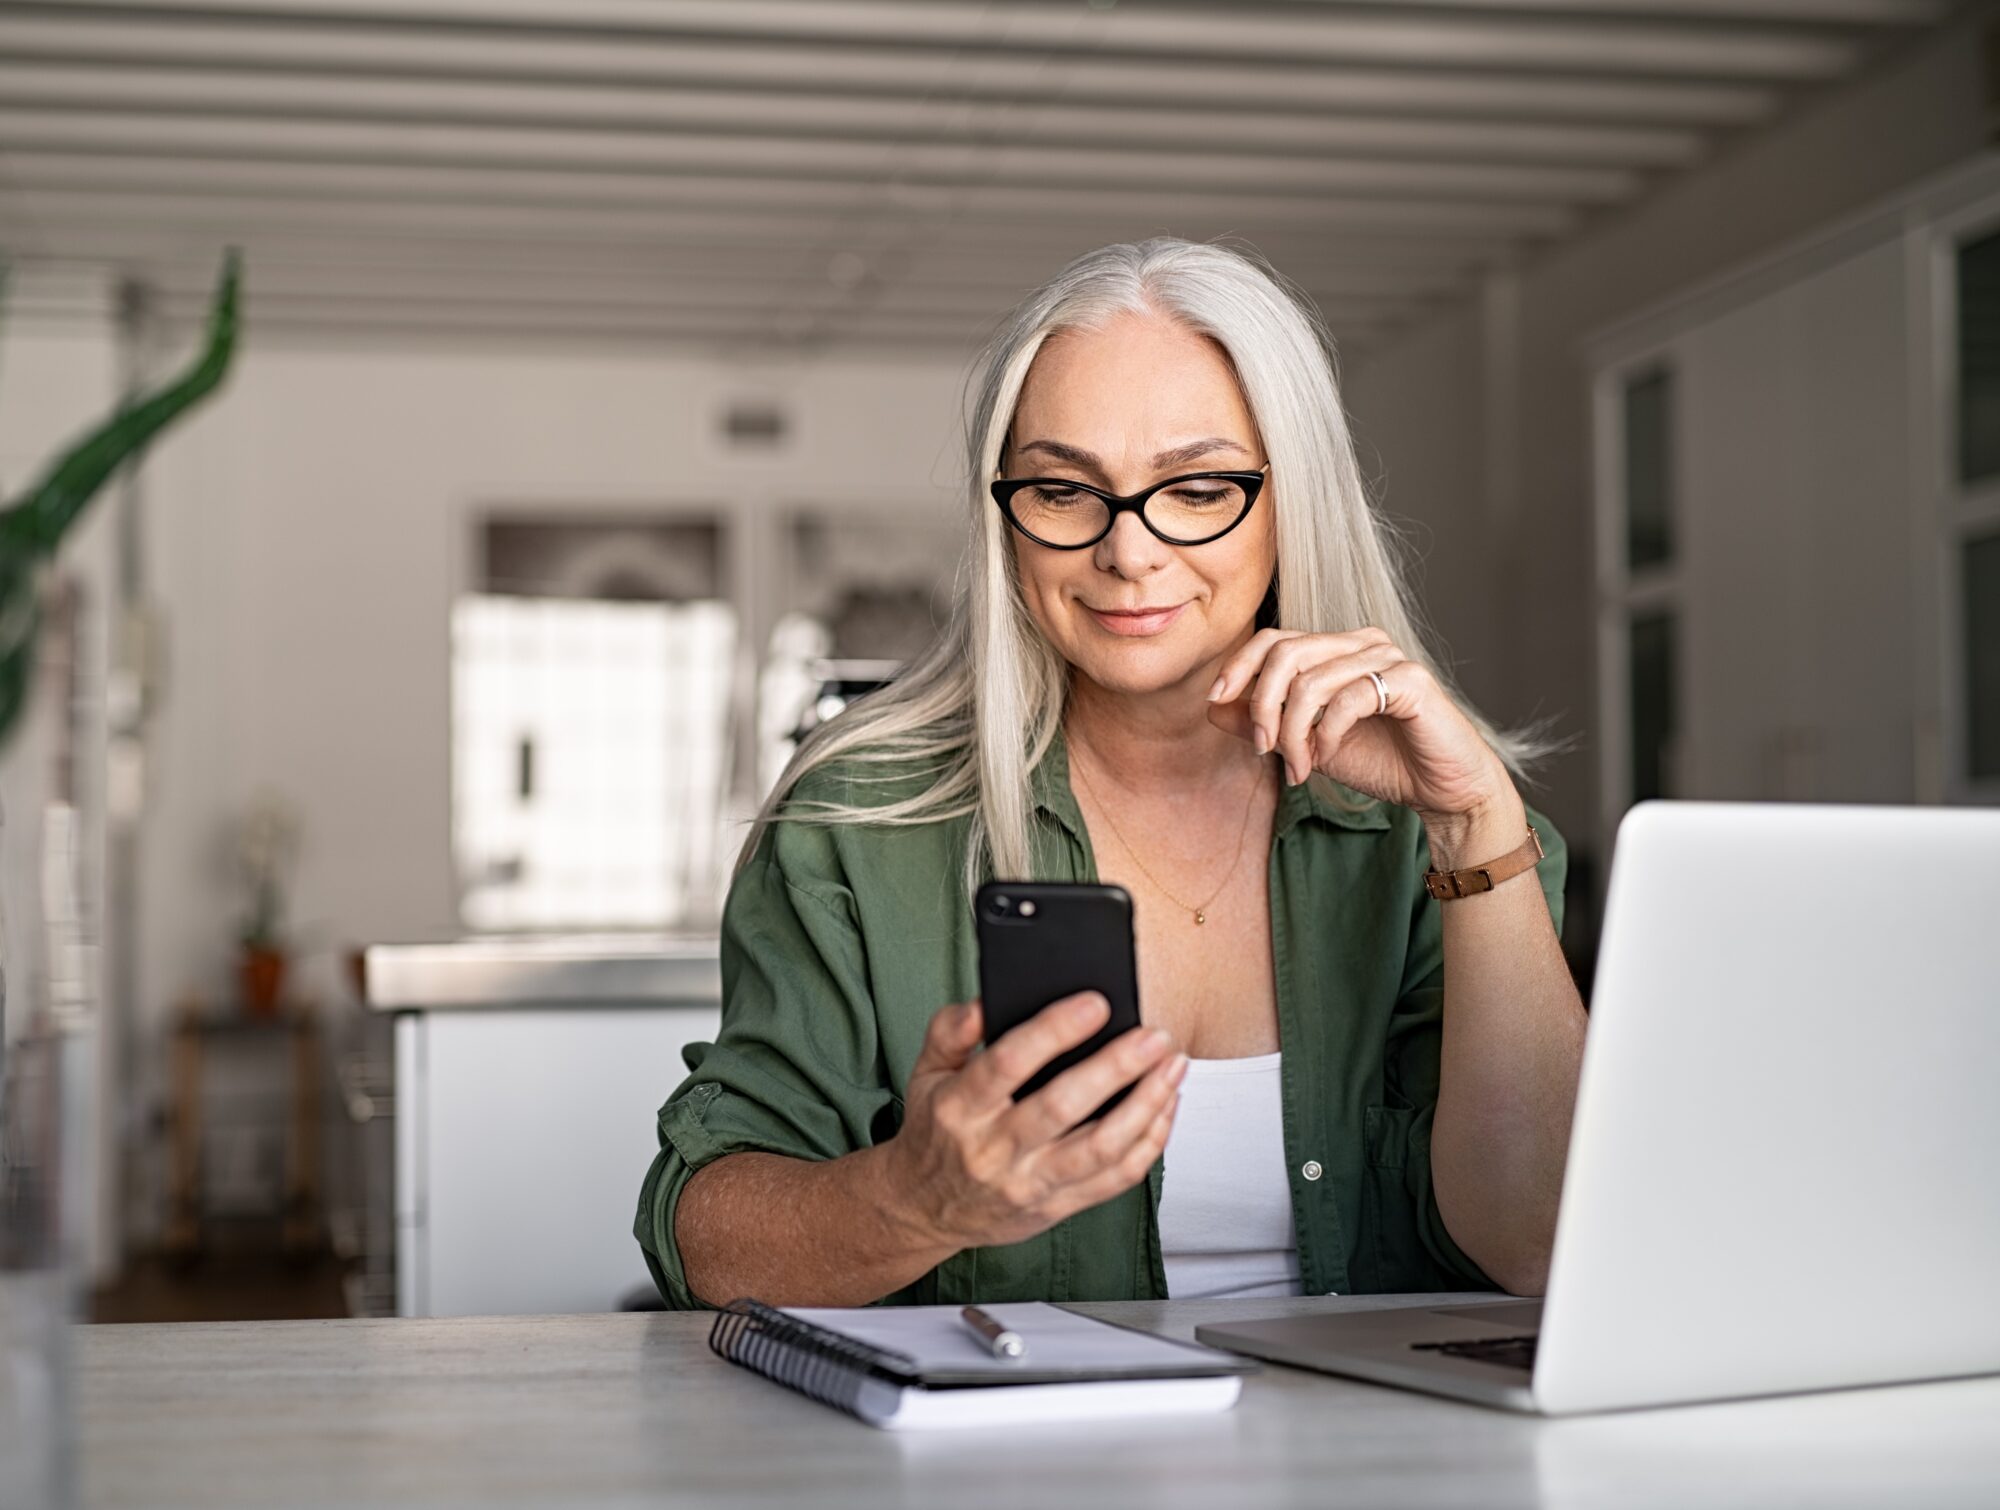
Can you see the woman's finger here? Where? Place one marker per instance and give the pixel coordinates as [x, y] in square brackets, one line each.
[1087, 1150]
[1232, 718]
[1079, 1090]
[1014, 1058]
[1244, 665]
[950, 1038]
[1311, 698]
[1358, 700]
[1283, 665]
[1129, 1169]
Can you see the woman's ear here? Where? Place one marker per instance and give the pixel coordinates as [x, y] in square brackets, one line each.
[1267, 611]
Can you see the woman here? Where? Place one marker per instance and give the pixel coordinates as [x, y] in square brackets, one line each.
[1218, 700]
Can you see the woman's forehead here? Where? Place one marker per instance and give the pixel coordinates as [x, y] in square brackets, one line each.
[1137, 385]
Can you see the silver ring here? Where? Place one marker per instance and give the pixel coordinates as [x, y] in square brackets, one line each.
[1381, 694]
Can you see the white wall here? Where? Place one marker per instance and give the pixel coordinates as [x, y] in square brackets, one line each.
[1422, 437]
[309, 531]
[1922, 111]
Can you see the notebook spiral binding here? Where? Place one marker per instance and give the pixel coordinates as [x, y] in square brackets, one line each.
[825, 1365]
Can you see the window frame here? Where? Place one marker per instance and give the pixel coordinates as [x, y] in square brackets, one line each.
[1958, 512]
[1623, 594]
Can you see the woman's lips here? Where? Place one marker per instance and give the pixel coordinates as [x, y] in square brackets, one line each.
[1151, 621]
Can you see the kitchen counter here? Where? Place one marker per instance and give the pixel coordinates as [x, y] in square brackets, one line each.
[488, 973]
[529, 1072]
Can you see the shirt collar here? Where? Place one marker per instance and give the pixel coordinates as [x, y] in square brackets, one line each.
[1320, 798]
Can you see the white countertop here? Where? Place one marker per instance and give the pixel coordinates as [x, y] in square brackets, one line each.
[545, 970]
[633, 1409]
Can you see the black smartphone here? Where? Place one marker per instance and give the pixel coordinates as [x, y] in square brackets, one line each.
[1040, 941]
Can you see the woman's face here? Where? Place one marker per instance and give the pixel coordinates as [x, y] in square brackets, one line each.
[1139, 401]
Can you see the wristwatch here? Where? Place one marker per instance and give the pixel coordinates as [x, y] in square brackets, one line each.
[1450, 885]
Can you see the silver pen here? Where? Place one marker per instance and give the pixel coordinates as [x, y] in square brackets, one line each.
[1004, 1341]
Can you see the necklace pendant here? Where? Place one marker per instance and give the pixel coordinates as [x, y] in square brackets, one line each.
[1201, 917]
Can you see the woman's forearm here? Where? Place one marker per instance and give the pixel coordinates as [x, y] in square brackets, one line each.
[798, 1232]
[1513, 1046]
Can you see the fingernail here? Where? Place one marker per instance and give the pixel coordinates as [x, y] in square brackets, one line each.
[1216, 691]
[1263, 741]
[1087, 1006]
[1180, 1068]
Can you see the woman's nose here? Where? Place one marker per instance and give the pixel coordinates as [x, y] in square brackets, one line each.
[1131, 549]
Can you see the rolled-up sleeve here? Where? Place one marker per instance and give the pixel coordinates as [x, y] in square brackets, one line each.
[796, 1068]
[1415, 1252]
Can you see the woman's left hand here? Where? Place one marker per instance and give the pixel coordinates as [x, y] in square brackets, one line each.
[1310, 698]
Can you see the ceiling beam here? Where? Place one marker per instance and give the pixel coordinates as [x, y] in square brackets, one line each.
[1414, 38]
[1421, 89]
[778, 200]
[1809, 12]
[601, 267]
[620, 109]
[211, 220]
[279, 284]
[505, 149]
[182, 307]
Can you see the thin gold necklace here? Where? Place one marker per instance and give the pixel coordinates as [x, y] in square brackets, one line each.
[1201, 912]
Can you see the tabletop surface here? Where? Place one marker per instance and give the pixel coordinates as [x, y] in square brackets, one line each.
[633, 1409]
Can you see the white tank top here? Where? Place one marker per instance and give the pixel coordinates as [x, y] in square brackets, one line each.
[1226, 1202]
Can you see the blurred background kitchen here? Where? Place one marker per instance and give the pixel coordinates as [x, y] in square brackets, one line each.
[595, 428]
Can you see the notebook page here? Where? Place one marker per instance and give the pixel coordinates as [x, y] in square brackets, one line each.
[1057, 1340]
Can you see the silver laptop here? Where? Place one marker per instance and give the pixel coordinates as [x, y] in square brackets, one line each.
[1784, 1172]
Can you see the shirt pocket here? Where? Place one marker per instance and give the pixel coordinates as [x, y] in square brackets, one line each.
[1388, 1213]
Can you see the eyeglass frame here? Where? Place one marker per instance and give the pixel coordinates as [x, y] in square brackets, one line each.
[1004, 488]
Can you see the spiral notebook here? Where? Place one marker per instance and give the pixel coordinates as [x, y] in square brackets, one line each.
[910, 1368]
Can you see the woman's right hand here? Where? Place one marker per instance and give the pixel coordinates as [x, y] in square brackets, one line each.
[975, 1168]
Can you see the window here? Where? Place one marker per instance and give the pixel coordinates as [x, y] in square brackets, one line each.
[1651, 678]
[1639, 582]
[1981, 589]
[1979, 358]
[588, 754]
[590, 726]
[1648, 414]
[1969, 521]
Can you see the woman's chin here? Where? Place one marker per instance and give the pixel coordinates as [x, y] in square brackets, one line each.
[1138, 670]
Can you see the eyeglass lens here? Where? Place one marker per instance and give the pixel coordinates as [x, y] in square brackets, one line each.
[1191, 510]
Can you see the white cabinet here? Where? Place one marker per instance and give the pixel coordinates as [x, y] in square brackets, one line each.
[523, 1134]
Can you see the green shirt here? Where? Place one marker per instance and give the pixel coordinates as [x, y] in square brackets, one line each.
[839, 942]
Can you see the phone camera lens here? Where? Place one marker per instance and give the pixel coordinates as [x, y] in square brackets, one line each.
[998, 907]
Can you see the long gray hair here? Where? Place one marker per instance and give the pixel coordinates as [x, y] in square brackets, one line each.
[978, 710]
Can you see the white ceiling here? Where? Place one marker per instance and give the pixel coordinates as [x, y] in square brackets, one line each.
[855, 173]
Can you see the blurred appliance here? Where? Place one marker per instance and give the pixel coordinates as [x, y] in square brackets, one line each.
[528, 1077]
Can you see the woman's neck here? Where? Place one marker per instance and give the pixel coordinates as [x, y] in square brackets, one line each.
[1160, 744]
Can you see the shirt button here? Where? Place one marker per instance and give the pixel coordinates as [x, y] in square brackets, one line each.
[1311, 1169]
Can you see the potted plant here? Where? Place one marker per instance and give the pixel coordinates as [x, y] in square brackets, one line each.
[267, 847]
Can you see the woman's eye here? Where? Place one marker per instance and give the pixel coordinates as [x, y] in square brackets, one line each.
[1200, 497]
[1055, 496]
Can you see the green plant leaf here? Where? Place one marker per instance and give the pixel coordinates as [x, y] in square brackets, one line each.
[40, 520]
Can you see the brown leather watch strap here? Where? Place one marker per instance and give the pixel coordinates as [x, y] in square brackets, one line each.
[1450, 885]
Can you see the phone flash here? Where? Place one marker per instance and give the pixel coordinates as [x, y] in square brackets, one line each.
[1027, 909]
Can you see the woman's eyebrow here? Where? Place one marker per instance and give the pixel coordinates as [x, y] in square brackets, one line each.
[1077, 456]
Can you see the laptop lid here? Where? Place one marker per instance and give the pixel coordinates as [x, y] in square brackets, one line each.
[1785, 1167]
